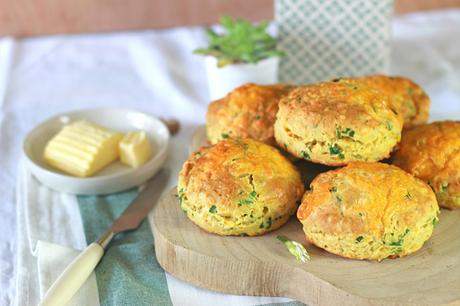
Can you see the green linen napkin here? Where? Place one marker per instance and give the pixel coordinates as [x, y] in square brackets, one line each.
[129, 273]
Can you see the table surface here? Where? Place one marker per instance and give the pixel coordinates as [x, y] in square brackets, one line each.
[155, 72]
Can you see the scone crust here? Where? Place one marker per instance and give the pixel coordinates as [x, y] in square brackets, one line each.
[368, 211]
[337, 122]
[247, 112]
[239, 187]
[408, 98]
[431, 152]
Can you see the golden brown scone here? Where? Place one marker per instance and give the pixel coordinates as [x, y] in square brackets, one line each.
[431, 152]
[247, 112]
[408, 98]
[239, 187]
[337, 122]
[368, 211]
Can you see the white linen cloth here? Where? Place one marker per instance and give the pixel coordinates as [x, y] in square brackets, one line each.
[155, 72]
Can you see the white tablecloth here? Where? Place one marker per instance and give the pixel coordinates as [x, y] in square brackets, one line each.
[155, 71]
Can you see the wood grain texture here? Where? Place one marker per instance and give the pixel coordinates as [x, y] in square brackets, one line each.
[262, 265]
[42, 17]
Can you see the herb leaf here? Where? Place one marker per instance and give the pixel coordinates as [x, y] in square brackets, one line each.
[295, 249]
[213, 209]
[305, 155]
[347, 132]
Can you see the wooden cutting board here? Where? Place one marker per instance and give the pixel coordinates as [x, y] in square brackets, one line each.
[263, 266]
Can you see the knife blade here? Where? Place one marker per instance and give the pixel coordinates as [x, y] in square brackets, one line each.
[81, 267]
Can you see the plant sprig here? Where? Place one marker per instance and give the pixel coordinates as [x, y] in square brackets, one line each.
[295, 249]
[242, 42]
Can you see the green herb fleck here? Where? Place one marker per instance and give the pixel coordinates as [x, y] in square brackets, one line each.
[224, 135]
[389, 125]
[213, 209]
[397, 250]
[252, 197]
[408, 195]
[261, 225]
[400, 241]
[295, 249]
[347, 132]
[181, 194]
[269, 222]
[435, 221]
[359, 238]
[257, 117]
[336, 150]
[305, 155]
[339, 199]
[333, 189]
[444, 188]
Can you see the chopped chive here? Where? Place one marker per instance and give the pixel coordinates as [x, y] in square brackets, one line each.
[359, 238]
[305, 155]
[224, 135]
[389, 125]
[347, 132]
[295, 248]
[408, 195]
[445, 188]
[213, 209]
[335, 150]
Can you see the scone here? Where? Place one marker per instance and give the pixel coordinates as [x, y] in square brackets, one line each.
[239, 187]
[431, 152]
[368, 211]
[247, 112]
[408, 98]
[337, 122]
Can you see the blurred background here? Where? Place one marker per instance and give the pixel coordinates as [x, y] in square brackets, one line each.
[41, 17]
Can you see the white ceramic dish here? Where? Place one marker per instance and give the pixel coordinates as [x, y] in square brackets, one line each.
[115, 177]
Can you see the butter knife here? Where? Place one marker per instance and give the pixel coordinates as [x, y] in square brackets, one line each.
[75, 275]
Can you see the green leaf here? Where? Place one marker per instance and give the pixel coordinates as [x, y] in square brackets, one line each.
[336, 150]
[241, 42]
[213, 209]
[305, 155]
[295, 249]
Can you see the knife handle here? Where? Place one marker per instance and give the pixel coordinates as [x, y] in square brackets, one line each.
[74, 276]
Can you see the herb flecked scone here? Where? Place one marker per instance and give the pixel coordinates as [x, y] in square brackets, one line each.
[247, 112]
[431, 152]
[408, 98]
[337, 122]
[239, 187]
[368, 211]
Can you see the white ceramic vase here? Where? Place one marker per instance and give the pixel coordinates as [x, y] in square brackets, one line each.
[223, 80]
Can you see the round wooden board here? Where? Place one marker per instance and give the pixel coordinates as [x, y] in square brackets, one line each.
[263, 266]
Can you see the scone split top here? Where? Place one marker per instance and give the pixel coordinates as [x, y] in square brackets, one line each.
[239, 187]
[337, 122]
[368, 211]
